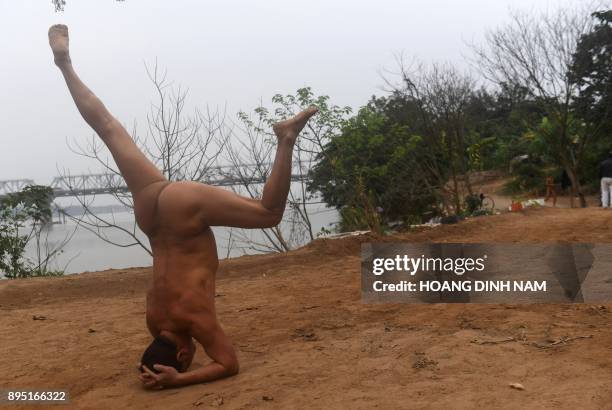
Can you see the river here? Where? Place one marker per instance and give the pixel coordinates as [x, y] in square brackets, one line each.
[87, 252]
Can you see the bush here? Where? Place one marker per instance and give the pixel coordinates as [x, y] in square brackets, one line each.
[352, 219]
[529, 177]
[472, 203]
[371, 173]
[32, 204]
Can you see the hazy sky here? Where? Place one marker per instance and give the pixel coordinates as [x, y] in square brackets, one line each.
[231, 53]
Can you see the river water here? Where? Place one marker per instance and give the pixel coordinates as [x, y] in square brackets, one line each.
[87, 252]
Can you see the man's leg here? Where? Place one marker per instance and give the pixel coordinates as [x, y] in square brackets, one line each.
[276, 189]
[225, 208]
[143, 179]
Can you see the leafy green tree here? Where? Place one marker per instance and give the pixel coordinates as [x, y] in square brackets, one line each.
[370, 170]
[436, 99]
[536, 53]
[32, 204]
[408, 153]
[498, 119]
[592, 72]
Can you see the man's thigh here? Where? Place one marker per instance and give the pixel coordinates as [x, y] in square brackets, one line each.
[226, 208]
[189, 207]
[137, 170]
[217, 206]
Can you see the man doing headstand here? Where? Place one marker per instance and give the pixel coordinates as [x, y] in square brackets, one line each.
[176, 217]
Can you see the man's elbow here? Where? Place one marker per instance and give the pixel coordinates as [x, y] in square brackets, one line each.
[232, 368]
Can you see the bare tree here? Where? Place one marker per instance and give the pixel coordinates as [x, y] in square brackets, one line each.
[251, 157]
[441, 93]
[184, 146]
[45, 251]
[536, 52]
[251, 154]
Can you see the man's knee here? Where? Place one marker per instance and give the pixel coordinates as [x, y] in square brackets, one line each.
[272, 218]
[276, 217]
[269, 218]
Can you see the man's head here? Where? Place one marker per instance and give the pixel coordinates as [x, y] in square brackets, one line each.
[177, 353]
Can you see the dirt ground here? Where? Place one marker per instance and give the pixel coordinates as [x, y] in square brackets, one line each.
[491, 183]
[305, 340]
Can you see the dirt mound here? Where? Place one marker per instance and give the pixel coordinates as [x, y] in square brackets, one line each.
[305, 340]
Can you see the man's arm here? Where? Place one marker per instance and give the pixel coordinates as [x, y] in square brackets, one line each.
[219, 348]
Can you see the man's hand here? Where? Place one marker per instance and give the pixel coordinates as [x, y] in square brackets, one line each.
[167, 377]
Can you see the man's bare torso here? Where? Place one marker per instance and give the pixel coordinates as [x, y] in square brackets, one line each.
[184, 261]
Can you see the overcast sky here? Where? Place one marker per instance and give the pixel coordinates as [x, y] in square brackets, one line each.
[231, 53]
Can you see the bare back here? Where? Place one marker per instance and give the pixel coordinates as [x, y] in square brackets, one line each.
[184, 263]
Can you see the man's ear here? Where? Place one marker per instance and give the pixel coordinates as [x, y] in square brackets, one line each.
[180, 355]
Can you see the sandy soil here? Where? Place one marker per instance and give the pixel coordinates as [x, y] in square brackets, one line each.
[305, 340]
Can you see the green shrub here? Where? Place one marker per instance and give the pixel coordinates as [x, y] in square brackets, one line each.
[528, 178]
[32, 204]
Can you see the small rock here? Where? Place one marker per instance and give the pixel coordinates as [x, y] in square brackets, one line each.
[421, 361]
[267, 398]
[305, 334]
[201, 400]
[90, 330]
[517, 386]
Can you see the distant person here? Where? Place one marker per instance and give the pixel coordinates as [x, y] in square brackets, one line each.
[605, 174]
[550, 190]
[176, 217]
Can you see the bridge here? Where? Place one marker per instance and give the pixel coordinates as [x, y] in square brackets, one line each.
[110, 183]
[14, 185]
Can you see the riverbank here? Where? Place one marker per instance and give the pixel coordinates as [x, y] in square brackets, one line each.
[305, 340]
